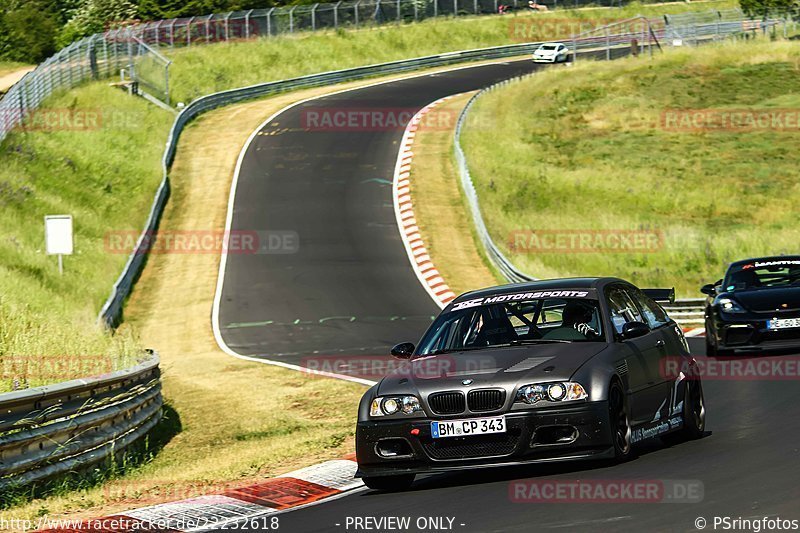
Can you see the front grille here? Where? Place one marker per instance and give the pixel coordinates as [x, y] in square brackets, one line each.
[486, 400]
[472, 446]
[447, 403]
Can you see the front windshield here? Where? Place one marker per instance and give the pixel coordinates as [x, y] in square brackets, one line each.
[547, 47]
[763, 274]
[534, 321]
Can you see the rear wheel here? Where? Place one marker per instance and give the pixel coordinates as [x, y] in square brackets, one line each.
[620, 421]
[694, 410]
[389, 483]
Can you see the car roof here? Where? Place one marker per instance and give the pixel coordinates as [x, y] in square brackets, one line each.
[764, 260]
[543, 284]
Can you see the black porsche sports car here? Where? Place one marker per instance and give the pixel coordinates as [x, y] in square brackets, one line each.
[756, 307]
[541, 371]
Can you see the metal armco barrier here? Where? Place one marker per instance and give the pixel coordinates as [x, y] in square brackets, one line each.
[47, 431]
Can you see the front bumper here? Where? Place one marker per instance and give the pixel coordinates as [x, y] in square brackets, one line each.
[520, 444]
[748, 335]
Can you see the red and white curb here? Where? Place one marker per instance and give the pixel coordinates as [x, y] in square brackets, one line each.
[421, 262]
[694, 332]
[299, 488]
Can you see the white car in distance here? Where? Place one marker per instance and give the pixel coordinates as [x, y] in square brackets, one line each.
[551, 53]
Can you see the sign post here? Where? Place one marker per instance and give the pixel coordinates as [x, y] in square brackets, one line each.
[58, 237]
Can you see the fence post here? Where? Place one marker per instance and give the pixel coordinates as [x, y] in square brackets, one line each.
[208, 29]
[608, 44]
[475, 7]
[336, 15]
[166, 83]
[455, 8]
[227, 27]
[355, 12]
[416, 10]
[189, 32]
[172, 34]
[314, 17]
[398, 12]
[269, 22]
[436, 7]
[291, 19]
[247, 24]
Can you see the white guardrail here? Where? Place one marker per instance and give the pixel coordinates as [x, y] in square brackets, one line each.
[51, 430]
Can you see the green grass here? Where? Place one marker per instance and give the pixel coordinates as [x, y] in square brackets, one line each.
[105, 177]
[584, 149]
[197, 71]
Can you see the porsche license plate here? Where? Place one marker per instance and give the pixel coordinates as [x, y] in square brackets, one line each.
[464, 428]
[783, 323]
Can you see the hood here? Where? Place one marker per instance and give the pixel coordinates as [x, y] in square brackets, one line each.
[499, 367]
[768, 300]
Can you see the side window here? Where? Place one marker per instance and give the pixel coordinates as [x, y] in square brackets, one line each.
[622, 308]
[654, 314]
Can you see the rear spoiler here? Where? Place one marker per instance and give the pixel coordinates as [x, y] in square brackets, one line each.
[662, 296]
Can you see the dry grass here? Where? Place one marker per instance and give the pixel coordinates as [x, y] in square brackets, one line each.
[439, 206]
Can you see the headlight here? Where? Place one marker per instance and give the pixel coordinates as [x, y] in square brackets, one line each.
[391, 405]
[729, 305]
[555, 392]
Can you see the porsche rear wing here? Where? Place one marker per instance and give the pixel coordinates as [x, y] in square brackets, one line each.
[662, 296]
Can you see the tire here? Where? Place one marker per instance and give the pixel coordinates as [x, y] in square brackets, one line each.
[389, 483]
[619, 420]
[711, 349]
[694, 410]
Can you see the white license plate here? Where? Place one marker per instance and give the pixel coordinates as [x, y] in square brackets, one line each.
[783, 323]
[463, 428]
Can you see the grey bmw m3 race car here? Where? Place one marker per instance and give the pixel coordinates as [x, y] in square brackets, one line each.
[540, 371]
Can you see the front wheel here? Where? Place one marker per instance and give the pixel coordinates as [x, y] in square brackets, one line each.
[389, 483]
[620, 422]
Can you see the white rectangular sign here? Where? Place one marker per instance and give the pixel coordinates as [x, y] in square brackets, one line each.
[58, 234]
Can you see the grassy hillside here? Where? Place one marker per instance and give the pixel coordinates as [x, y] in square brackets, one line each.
[104, 174]
[199, 70]
[589, 149]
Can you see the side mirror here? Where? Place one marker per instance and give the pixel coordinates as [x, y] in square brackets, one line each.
[708, 289]
[631, 330]
[404, 350]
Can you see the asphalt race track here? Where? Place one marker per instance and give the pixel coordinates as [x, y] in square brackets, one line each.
[349, 290]
[747, 464]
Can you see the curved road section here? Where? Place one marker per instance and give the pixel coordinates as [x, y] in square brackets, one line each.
[344, 286]
[330, 280]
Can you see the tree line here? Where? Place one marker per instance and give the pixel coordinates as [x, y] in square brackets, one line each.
[33, 30]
